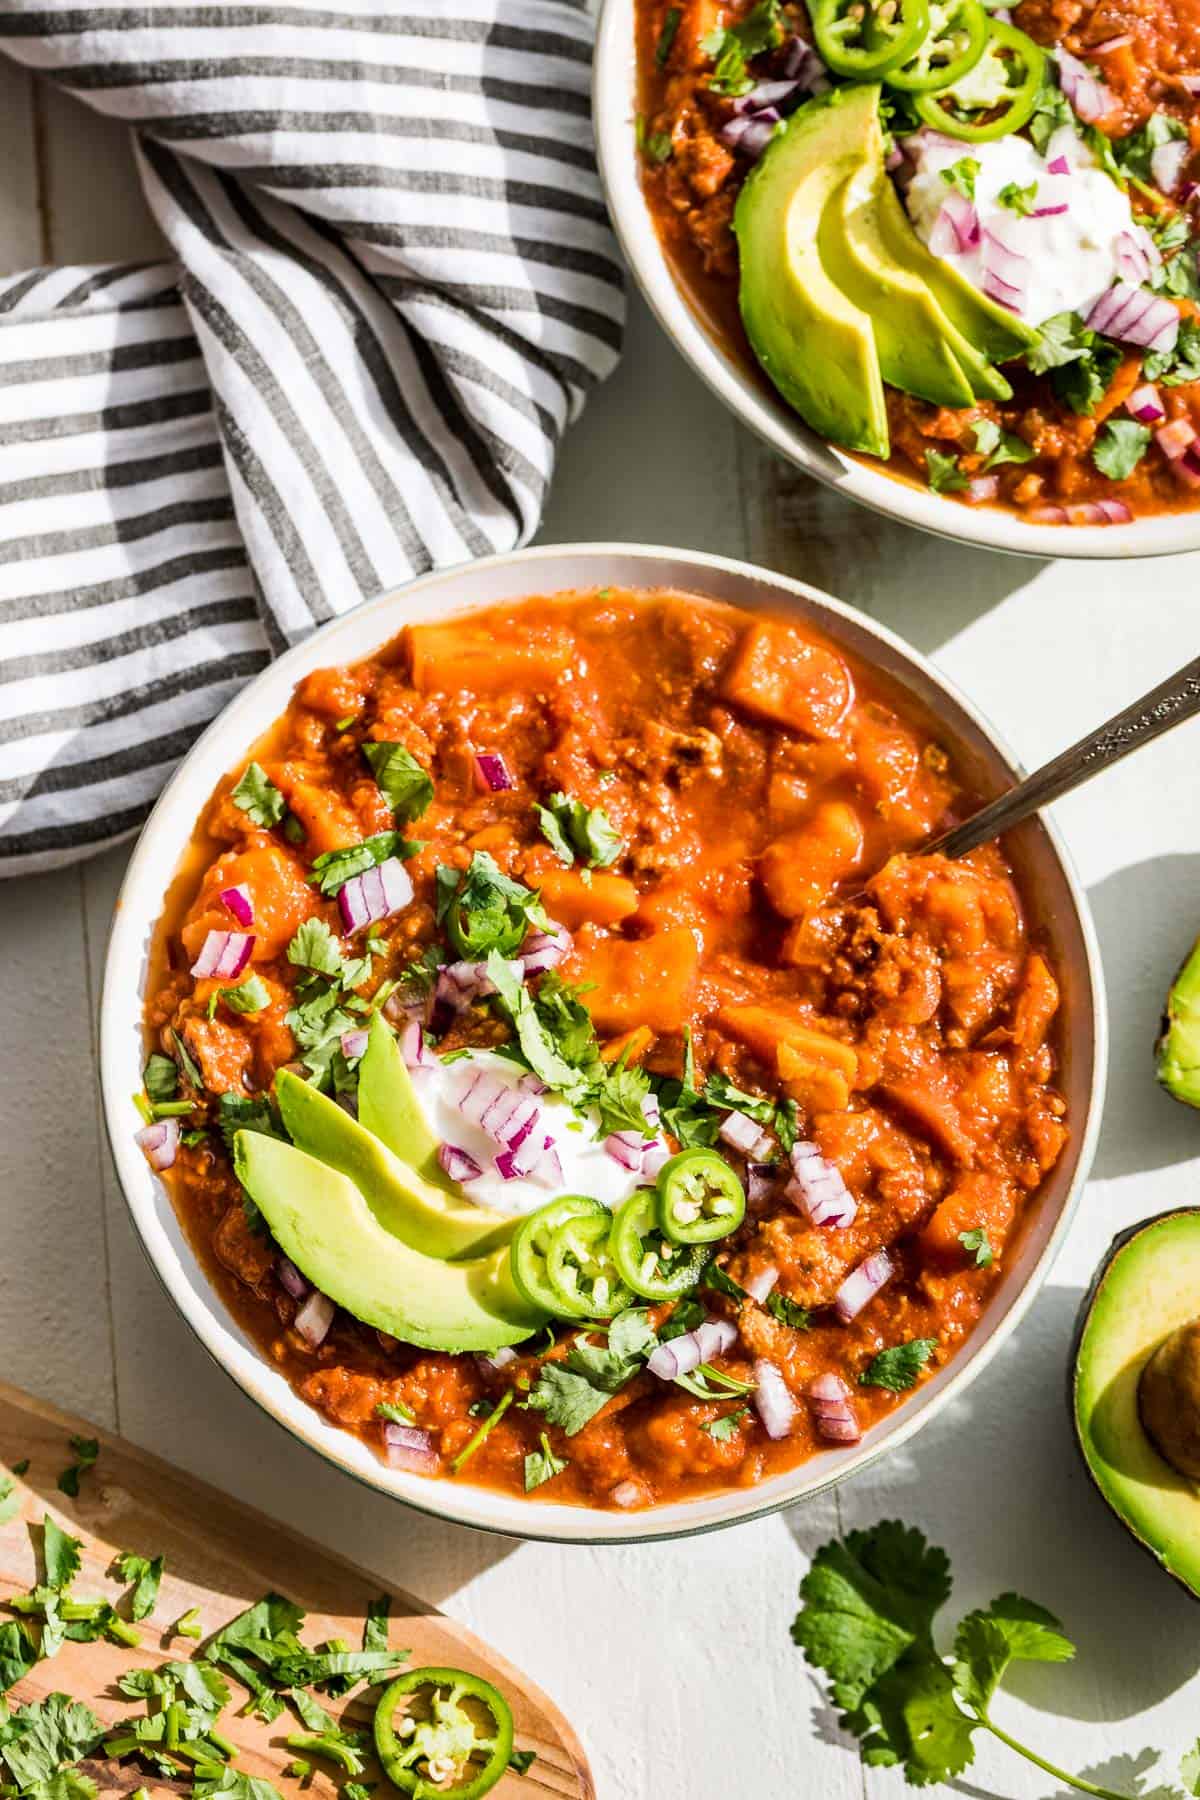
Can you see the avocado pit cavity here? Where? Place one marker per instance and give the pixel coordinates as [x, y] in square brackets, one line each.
[1169, 1399]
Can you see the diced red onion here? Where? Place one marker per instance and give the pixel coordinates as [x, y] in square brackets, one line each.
[1117, 512]
[375, 894]
[354, 1043]
[239, 902]
[772, 1400]
[290, 1278]
[1146, 406]
[1050, 212]
[1091, 99]
[761, 1179]
[1137, 255]
[895, 159]
[1113, 43]
[499, 1359]
[800, 63]
[545, 949]
[1098, 512]
[982, 488]
[1049, 515]
[655, 1156]
[1189, 83]
[1167, 163]
[399, 1006]
[628, 1493]
[1186, 468]
[749, 134]
[532, 1084]
[680, 1355]
[534, 1158]
[863, 1285]
[999, 257]
[767, 94]
[828, 1390]
[457, 987]
[1058, 165]
[314, 1319]
[1173, 439]
[744, 1135]
[160, 1142]
[956, 228]
[1136, 316]
[626, 1148]
[760, 1285]
[414, 1049]
[818, 1190]
[458, 1164]
[408, 1447]
[506, 1113]
[492, 773]
[225, 953]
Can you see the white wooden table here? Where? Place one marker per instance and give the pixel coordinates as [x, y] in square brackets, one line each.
[674, 1661]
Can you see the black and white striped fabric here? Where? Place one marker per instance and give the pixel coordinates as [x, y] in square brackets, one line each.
[394, 285]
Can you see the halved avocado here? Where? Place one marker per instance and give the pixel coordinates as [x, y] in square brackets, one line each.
[321, 1221]
[1135, 1392]
[1177, 1053]
[429, 1219]
[816, 345]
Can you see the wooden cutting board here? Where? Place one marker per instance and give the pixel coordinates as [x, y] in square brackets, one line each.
[221, 1557]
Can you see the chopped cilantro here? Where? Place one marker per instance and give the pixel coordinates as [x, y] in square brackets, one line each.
[231, 1784]
[22, 1467]
[480, 1437]
[945, 476]
[1018, 199]
[572, 1392]
[249, 996]
[335, 868]
[999, 446]
[86, 1451]
[245, 1112]
[654, 146]
[18, 1654]
[1135, 153]
[42, 1740]
[897, 1367]
[160, 1077]
[726, 1426]
[259, 798]
[961, 176]
[574, 830]
[314, 947]
[979, 1245]
[293, 830]
[542, 1465]
[666, 36]
[520, 1762]
[733, 46]
[1082, 364]
[1120, 447]
[484, 910]
[60, 1551]
[10, 1499]
[145, 1576]
[1175, 368]
[786, 1311]
[404, 784]
[1052, 110]
[190, 1070]
[396, 1412]
[715, 1277]
[188, 1625]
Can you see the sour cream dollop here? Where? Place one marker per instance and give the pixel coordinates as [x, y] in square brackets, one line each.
[587, 1167]
[1072, 255]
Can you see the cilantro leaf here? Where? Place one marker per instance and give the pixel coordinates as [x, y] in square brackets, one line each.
[39, 1740]
[18, 1653]
[999, 446]
[1175, 368]
[249, 996]
[978, 1243]
[897, 1367]
[245, 1112]
[335, 868]
[945, 476]
[1135, 153]
[574, 830]
[1082, 364]
[1120, 447]
[520, 1761]
[666, 37]
[10, 1499]
[60, 1551]
[567, 1398]
[1062, 339]
[231, 1784]
[1189, 1768]
[145, 1575]
[655, 146]
[375, 1624]
[1010, 1630]
[1052, 110]
[961, 176]
[571, 1393]
[404, 784]
[396, 1411]
[160, 1077]
[732, 47]
[542, 1465]
[314, 947]
[716, 1278]
[259, 798]
[1018, 199]
[484, 909]
[726, 1427]
[786, 1311]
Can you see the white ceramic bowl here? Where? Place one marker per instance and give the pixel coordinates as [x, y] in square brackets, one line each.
[754, 402]
[1035, 848]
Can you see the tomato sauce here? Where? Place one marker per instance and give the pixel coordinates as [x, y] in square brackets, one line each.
[758, 779]
[692, 192]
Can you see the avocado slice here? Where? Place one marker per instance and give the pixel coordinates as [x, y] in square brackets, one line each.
[916, 342]
[1177, 1054]
[996, 333]
[389, 1107]
[1136, 1388]
[816, 345]
[321, 1221]
[427, 1218]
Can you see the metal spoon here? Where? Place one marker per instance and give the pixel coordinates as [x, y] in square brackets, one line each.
[1173, 701]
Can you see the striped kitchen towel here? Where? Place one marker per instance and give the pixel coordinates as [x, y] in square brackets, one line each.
[393, 285]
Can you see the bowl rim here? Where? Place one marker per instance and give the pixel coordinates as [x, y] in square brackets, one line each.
[199, 1303]
[614, 112]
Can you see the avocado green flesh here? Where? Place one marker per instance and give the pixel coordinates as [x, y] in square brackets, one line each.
[1178, 1052]
[995, 333]
[322, 1223]
[918, 348]
[389, 1108]
[1148, 1289]
[425, 1217]
[816, 345]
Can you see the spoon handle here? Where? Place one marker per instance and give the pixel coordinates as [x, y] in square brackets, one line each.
[1173, 701]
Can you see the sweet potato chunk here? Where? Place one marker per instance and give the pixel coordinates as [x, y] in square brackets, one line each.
[800, 870]
[980, 1201]
[282, 899]
[932, 1116]
[604, 900]
[632, 1046]
[329, 823]
[642, 981]
[781, 675]
[764, 1028]
[1036, 1005]
[815, 1085]
[454, 657]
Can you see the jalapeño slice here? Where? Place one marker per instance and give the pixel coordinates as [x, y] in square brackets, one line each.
[957, 37]
[699, 1198]
[531, 1242]
[655, 1269]
[863, 39]
[1025, 64]
[450, 1749]
[583, 1277]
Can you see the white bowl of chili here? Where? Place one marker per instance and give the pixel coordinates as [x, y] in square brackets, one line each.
[165, 855]
[705, 327]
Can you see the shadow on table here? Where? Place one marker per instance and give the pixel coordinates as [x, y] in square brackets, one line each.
[997, 1481]
[1146, 917]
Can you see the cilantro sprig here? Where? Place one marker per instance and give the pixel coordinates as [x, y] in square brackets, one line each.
[869, 1602]
[733, 46]
[574, 830]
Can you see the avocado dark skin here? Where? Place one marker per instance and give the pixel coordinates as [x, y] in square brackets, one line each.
[1169, 1399]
